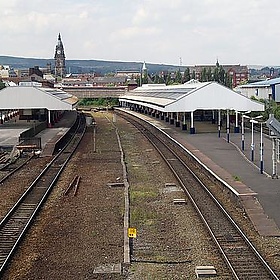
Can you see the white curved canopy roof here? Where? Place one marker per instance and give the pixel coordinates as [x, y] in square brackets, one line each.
[190, 97]
[36, 98]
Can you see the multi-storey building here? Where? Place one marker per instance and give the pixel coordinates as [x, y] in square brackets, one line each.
[238, 73]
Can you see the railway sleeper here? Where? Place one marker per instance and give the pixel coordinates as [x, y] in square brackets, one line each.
[118, 184]
[6, 248]
[205, 271]
[6, 242]
[179, 201]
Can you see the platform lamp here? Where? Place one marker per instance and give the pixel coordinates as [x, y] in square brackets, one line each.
[94, 136]
[252, 121]
[243, 115]
[261, 149]
[228, 125]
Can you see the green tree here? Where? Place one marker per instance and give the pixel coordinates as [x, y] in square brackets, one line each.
[209, 75]
[271, 107]
[178, 77]
[193, 75]
[145, 78]
[168, 79]
[221, 75]
[186, 76]
[161, 79]
[156, 79]
[203, 77]
[138, 81]
[216, 74]
[99, 102]
[228, 80]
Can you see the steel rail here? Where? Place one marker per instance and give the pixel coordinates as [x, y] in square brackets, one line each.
[229, 257]
[12, 168]
[16, 222]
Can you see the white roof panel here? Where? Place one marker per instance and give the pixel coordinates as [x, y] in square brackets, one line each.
[36, 98]
[191, 97]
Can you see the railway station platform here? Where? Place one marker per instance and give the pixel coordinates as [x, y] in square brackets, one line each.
[11, 130]
[50, 136]
[259, 194]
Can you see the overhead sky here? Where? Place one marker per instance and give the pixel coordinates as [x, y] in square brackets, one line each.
[186, 32]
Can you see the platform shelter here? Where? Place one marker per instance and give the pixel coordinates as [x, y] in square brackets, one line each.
[35, 103]
[189, 101]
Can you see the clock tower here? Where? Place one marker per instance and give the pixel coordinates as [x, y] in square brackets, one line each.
[59, 57]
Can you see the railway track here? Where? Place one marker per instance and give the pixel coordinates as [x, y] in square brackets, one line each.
[240, 255]
[9, 169]
[17, 221]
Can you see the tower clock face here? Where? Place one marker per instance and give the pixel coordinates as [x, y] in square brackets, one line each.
[58, 51]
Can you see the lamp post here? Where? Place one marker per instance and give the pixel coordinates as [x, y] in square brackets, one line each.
[252, 121]
[242, 133]
[261, 150]
[228, 126]
[94, 132]
[243, 115]
[252, 139]
[219, 123]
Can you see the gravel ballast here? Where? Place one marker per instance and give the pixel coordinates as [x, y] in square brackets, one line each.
[81, 237]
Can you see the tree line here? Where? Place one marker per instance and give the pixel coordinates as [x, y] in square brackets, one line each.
[218, 75]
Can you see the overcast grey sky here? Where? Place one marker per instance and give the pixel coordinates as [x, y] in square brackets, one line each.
[194, 32]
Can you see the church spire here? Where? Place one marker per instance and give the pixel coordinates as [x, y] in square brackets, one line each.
[217, 63]
[59, 42]
[60, 69]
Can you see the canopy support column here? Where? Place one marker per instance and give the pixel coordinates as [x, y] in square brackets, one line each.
[167, 117]
[49, 119]
[177, 124]
[172, 118]
[184, 125]
[228, 125]
[236, 128]
[213, 117]
[192, 128]
[146, 111]
[219, 123]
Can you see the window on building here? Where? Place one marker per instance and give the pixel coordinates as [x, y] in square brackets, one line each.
[257, 92]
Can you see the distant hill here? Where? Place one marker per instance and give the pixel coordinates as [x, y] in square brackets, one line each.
[86, 66]
[103, 67]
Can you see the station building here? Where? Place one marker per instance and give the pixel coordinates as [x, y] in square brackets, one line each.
[268, 89]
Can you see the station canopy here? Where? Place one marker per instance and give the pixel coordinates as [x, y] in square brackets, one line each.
[22, 97]
[190, 97]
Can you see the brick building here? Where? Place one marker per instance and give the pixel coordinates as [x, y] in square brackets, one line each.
[238, 73]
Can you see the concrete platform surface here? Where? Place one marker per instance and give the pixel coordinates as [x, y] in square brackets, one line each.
[11, 130]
